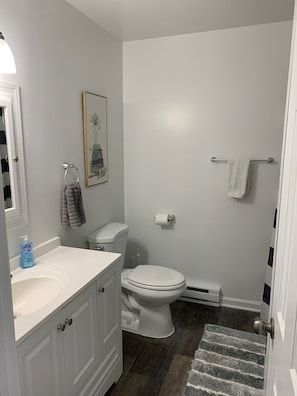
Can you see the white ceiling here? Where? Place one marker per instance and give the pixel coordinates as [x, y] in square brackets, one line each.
[141, 19]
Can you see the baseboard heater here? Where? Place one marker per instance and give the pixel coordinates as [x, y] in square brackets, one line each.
[202, 294]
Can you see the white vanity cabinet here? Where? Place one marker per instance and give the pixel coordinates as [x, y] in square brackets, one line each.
[41, 361]
[81, 354]
[78, 350]
[109, 333]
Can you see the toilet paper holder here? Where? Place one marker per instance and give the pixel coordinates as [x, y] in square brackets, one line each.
[164, 219]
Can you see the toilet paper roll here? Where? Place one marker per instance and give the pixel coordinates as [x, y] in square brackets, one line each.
[162, 219]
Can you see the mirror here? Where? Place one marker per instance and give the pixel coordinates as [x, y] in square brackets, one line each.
[12, 156]
[4, 162]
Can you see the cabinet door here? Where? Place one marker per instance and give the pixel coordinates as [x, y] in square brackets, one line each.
[41, 361]
[80, 340]
[109, 316]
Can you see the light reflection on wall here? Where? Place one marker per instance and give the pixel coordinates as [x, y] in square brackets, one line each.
[177, 120]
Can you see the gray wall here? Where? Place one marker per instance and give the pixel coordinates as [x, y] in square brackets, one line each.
[187, 98]
[59, 53]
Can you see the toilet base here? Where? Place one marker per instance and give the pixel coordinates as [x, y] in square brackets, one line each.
[154, 322]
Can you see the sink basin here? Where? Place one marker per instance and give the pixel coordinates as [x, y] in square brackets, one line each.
[30, 295]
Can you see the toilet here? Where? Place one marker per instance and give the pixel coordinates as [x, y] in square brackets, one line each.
[147, 290]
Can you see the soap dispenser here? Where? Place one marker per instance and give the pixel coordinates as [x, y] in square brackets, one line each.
[26, 253]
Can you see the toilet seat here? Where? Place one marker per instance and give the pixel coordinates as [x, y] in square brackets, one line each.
[155, 277]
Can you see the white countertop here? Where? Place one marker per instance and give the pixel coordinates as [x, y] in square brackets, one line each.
[76, 268]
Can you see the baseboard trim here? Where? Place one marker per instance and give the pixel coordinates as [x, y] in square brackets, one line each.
[237, 303]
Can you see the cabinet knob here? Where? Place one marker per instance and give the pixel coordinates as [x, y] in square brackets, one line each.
[61, 327]
[68, 322]
[101, 290]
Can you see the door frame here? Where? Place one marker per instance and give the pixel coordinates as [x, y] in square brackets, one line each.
[9, 381]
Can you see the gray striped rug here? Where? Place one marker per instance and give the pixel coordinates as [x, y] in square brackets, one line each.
[228, 362]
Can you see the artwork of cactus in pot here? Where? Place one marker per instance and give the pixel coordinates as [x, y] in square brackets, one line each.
[97, 163]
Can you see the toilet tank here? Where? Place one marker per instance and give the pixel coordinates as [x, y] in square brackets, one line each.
[111, 237]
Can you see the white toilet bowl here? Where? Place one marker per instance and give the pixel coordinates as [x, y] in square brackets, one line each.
[147, 292]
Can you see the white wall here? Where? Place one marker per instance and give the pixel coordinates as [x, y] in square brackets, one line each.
[59, 53]
[187, 98]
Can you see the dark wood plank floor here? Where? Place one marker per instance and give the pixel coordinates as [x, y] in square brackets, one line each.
[159, 367]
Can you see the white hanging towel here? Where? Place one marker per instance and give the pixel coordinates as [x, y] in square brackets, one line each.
[238, 178]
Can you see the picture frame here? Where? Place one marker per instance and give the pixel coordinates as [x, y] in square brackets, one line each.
[95, 138]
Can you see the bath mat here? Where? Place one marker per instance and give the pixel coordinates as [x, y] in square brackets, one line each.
[228, 362]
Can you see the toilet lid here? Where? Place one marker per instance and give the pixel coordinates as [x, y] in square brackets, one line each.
[155, 277]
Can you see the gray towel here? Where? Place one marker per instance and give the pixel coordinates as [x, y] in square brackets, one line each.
[72, 211]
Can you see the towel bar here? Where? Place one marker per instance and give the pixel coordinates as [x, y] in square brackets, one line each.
[268, 160]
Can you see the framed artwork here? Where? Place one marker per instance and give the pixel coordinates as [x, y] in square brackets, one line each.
[95, 138]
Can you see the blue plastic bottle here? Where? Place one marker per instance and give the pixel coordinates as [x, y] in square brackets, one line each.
[26, 253]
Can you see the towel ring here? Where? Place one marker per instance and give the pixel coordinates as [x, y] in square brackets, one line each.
[67, 166]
